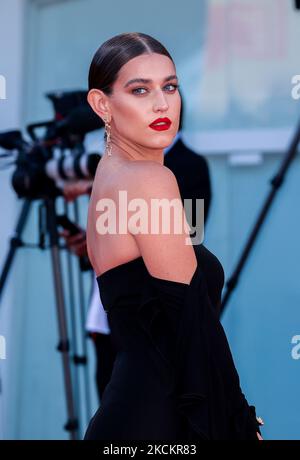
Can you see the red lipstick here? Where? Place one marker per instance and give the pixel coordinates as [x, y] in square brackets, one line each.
[164, 123]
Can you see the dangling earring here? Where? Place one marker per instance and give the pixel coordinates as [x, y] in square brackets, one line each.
[108, 146]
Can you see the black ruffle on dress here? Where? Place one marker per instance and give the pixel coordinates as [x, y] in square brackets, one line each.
[174, 377]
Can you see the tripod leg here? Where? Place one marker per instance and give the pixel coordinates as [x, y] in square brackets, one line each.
[15, 242]
[84, 358]
[64, 346]
[276, 183]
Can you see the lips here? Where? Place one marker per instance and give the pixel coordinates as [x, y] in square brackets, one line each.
[161, 124]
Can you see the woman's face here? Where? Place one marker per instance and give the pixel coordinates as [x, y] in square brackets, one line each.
[134, 106]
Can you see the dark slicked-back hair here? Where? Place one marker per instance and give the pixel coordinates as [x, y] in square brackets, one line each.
[116, 52]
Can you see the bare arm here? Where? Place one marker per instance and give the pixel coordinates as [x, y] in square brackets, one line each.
[166, 251]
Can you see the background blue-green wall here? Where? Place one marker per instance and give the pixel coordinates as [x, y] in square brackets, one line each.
[58, 42]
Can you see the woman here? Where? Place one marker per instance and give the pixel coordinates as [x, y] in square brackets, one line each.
[173, 376]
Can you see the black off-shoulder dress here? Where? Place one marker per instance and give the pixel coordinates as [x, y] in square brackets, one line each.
[174, 377]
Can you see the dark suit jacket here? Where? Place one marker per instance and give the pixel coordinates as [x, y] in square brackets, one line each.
[192, 174]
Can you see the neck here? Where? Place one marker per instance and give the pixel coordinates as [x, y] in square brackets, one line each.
[127, 150]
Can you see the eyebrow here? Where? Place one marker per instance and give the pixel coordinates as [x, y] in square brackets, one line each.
[147, 80]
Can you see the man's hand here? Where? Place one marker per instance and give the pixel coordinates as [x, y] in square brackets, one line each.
[75, 243]
[74, 189]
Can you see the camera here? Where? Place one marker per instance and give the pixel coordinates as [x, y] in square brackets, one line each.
[59, 154]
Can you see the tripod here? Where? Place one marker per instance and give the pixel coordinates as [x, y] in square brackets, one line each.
[276, 182]
[72, 425]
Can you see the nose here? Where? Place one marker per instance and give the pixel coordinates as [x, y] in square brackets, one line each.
[160, 102]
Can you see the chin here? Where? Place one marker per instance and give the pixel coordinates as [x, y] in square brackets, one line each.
[161, 146]
[164, 141]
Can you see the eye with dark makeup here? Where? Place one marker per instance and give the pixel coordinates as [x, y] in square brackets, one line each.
[176, 86]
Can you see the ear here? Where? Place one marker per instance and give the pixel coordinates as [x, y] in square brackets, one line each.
[99, 103]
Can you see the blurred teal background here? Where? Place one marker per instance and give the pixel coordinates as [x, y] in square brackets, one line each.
[235, 61]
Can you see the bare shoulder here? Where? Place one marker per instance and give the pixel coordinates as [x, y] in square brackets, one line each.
[151, 178]
[148, 167]
[159, 226]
